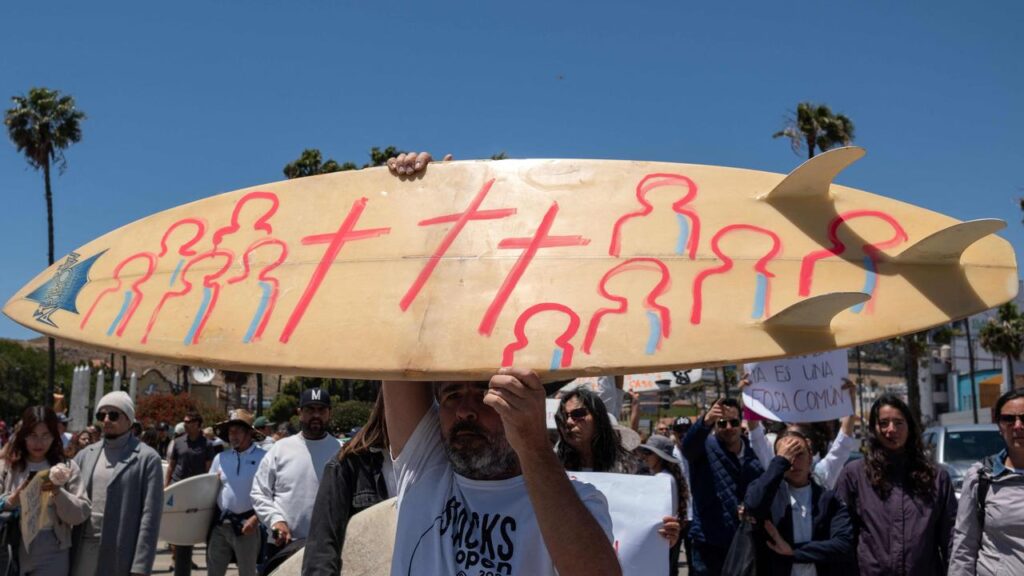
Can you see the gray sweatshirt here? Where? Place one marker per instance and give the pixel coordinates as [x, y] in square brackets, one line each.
[999, 549]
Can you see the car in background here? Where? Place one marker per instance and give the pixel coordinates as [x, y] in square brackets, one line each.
[959, 446]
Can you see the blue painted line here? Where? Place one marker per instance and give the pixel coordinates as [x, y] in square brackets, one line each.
[207, 294]
[684, 233]
[177, 271]
[655, 336]
[556, 359]
[124, 309]
[260, 310]
[870, 282]
[759, 296]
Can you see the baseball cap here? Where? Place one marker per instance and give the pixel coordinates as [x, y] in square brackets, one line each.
[261, 422]
[682, 422]
[311, 396]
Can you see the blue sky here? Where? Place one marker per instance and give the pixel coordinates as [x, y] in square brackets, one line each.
[188, 99]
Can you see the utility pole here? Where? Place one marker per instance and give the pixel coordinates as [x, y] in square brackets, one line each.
[259, 394]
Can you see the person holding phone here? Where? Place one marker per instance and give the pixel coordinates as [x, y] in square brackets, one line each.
[38, 449]
[722, 465]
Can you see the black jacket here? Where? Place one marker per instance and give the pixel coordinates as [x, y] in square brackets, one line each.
[347, 487]
[832, 544]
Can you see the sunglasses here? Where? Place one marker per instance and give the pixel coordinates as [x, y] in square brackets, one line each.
[1011, 419]
[113, 416]
[577, 414]
[735, 423]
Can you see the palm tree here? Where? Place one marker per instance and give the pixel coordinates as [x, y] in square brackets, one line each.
[41, 125]
[815, 127]
[1004, 335]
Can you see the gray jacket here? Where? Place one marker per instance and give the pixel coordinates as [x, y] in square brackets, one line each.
[999, 549]
[131, 516]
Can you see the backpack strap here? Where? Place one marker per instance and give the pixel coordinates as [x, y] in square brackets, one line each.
[984, 482]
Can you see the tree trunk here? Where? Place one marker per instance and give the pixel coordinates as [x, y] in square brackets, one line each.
[52, 369]
[810, 147]
[1009, 372]
[910, 371]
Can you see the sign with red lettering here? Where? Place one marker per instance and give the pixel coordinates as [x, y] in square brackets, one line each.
[803, 389]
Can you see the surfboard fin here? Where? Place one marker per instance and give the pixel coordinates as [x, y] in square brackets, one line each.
[947, 245]
[813, 178]
[815, 313]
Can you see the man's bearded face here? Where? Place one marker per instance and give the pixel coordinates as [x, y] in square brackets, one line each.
[474, 437]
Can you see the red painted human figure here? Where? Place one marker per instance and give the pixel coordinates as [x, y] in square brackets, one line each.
[872, 253]
[217, 263]
[687, 218]
[658, 315]
[563, 353]
[762, 293]
[177, 243]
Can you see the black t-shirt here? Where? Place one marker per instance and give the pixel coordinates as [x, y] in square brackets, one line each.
[190, 457]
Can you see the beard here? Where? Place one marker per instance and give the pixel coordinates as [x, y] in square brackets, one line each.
[482, 457]
[313, 427]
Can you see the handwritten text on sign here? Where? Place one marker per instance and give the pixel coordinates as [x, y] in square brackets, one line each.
[802, 389]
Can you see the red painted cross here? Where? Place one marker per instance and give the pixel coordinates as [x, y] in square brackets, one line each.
[345, 233]
[529, 246]
[459, 221]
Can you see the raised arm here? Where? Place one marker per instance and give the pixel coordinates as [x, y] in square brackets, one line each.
[518, 397]
[405, 403]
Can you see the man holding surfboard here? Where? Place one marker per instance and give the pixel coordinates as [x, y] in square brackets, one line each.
[480, 489]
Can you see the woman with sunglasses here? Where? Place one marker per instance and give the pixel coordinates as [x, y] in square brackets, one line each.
[589, 442]
[37, 450]
[806, 529]
[902, 505]
[989, 533]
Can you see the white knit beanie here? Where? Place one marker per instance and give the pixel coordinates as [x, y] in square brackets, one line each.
[120, 400]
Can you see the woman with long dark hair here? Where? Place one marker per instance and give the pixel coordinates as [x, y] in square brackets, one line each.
[587, 439]
[589, 442]
[361, 476]
[37, 450]
[902, 506]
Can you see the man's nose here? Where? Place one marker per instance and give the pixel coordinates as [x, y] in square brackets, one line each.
[469, 406]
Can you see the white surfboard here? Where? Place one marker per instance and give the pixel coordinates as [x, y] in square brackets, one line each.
[189, 506]
[369, 542]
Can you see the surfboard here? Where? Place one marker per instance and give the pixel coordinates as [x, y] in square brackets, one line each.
[189, 506]
[571, 267]
[369, 543]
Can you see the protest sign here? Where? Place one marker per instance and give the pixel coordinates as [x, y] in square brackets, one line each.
[552, 407]
[801, 389]
[33, 504]
[659, 381]
[637, 505]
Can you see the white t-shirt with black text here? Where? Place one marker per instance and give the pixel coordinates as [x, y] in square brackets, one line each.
[449, 525]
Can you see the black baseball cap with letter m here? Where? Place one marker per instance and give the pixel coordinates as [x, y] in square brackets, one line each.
[313, 396]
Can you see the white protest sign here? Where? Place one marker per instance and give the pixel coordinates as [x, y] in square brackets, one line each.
[659, 381]
[801, 389]
[636, 504]
[33, 506]
[552, 407]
